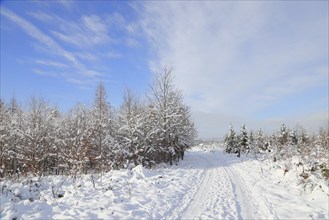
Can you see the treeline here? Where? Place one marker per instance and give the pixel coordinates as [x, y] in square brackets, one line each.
[311, 149]
[41, 140]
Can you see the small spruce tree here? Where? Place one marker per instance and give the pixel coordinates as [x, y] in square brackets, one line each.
[244, 142]
[230, 141]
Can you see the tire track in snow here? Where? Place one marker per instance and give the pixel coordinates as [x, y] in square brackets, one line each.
[220, 194]
[191, 193]
[198, 203]
[248, 207]
[242, 203]
[265, 208]
[212, 198]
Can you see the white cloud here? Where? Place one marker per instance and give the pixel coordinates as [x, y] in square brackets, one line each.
[117, 20]
[239, 58]
[87, 32]
[223, 51]
[87, 56]
[66, 3]
[35, 33]
[41, 16]
[45, 73]
[78, 72]
[51, 63]
[90, 31]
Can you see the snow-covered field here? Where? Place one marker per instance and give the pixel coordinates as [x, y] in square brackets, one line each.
[208, 184]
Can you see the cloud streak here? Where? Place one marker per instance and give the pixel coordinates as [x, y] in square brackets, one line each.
[35, 33]
[90, 31]
[51, 63]
[67, 63]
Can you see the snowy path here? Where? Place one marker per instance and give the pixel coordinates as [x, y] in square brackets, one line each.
[228, 187]
[208, 184]
[220, 194]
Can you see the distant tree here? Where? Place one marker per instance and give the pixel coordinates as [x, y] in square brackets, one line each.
[252, 143]
[261, 143]
[302, 136]
[231, 141]
[322, 142]
[292, 138]
[283, 135]
[244, 142]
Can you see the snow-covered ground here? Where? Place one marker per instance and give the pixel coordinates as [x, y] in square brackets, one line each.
[208, 184]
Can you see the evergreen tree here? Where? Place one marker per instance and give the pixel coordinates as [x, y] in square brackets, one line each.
[261, 144]
[252, 143]
[230, 141]
[244, 142]
[283, 135]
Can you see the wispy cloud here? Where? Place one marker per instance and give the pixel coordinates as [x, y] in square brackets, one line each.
[46, 73]
[234, 53]
[51, 63]
[66, 3]
[71, 60]
[90, 31]
[87, 56]
[38, 35]
[42, 16]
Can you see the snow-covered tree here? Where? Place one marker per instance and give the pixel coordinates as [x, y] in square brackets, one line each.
[169, 115]
[260, 142]
[77, 153]
[41, 140]
[104, 130]
[322, 143]
[283, 135]
[244, 141]
[5, 136]
[39, 135]
[231, 141]
[252, 143]
[12, 137]
[130, 129]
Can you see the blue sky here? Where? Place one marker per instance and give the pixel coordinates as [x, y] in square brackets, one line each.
[61, 50]
[256, 62]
